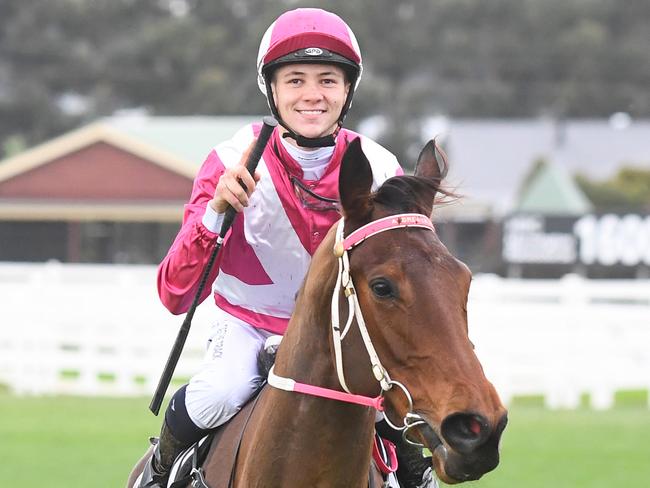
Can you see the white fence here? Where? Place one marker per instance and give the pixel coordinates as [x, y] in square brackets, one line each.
[88, 330]
[101, 330]
[562, 338]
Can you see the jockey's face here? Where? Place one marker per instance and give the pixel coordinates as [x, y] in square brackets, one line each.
[310, 97]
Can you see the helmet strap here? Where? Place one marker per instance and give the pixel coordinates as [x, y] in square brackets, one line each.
[311, 142]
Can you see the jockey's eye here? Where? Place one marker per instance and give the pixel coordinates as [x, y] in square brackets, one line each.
[382, 288]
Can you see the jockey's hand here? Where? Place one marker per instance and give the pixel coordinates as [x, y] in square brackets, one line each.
[229, 188]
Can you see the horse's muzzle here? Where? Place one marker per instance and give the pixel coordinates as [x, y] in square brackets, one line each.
[466, 448]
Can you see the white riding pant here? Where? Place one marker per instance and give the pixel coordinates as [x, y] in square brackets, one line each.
[228, 376]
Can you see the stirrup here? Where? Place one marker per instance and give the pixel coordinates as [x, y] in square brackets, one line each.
[428, 479]
[198, 478]
[151, 477]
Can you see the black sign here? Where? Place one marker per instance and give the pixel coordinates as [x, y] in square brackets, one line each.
[606, 240]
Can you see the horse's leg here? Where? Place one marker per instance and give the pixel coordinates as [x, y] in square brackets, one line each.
[137, 469]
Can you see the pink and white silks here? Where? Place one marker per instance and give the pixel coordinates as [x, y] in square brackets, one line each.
[264, 258]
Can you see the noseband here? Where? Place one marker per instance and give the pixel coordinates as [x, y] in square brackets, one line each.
[344, 281]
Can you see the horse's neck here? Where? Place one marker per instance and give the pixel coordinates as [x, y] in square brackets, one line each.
[305, 353]
[315, 434]
[319, 442]
[299, 441]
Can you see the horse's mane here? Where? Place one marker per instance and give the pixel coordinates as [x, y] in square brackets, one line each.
[407, 193]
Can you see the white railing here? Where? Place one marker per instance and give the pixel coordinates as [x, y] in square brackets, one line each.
[89, 330]
[562, 338]
[101, 330]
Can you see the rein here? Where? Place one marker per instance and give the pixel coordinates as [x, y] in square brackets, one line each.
[344, 280]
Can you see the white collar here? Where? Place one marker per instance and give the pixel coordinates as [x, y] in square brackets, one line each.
[312, 161]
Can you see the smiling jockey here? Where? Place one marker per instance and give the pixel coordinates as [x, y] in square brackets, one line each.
[309, 66]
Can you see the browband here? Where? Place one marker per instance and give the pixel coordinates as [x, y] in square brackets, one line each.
[375, 227]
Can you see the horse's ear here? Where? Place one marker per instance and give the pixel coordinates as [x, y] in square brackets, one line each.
[432, 164]
[355, 182]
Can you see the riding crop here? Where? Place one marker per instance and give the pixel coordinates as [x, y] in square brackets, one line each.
[269, 123]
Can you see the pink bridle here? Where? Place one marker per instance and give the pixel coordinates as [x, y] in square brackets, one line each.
[375, 227]
[341, 248]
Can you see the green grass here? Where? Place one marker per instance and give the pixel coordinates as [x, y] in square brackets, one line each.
[74, 442]
[70, 441]
[573, 449]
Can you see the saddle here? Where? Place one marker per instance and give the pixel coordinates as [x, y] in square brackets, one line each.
[218, 445]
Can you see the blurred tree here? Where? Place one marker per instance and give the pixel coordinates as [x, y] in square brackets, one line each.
[65, 62]
[628, 190]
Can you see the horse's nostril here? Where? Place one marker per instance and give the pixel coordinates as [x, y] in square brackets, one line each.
[473, 426]
[464, 432]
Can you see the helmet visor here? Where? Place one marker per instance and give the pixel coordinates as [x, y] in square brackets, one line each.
[314, 55]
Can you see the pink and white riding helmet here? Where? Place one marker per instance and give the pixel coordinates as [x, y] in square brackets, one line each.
[308, 35]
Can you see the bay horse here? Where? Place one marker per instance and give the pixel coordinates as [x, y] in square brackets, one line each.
[382, 312]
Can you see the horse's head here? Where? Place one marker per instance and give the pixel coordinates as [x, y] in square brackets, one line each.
[413, 296]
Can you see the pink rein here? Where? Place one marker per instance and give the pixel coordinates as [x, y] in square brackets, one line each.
[376, 402]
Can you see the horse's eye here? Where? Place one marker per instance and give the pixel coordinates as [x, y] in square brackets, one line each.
[382, 288]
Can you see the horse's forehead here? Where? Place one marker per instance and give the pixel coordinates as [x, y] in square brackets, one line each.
[411, 246]
[406, 242]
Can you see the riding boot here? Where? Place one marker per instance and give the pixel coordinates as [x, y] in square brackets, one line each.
[165, 450]
[414, 470]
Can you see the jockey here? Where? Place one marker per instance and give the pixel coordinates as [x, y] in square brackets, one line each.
[309, 66]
